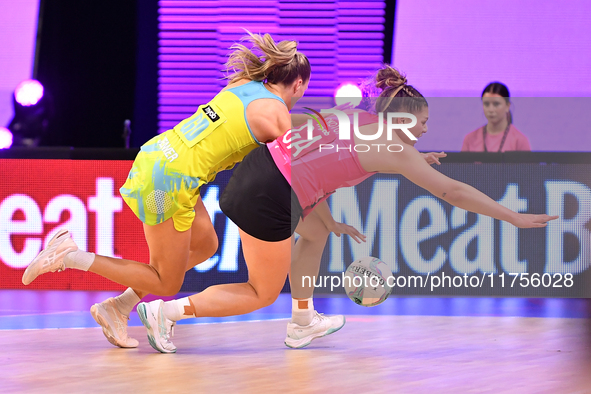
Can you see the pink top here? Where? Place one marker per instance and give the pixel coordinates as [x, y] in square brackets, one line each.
[515, 140]
[317, 168]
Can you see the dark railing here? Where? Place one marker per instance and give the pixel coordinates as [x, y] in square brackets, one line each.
[66, 153]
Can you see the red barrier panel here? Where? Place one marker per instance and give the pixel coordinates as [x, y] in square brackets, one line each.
[38, 197]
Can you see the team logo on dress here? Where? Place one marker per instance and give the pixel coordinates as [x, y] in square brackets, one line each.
[323, 128]
[211, 113]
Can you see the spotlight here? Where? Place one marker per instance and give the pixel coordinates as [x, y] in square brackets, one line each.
[28, 92]
[5, 138]
[348, 92]
[32, 113]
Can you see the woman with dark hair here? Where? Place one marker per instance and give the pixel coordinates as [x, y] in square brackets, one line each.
[279, 184]
[499, 134]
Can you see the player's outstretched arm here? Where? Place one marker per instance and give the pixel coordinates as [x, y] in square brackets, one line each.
[413, 166]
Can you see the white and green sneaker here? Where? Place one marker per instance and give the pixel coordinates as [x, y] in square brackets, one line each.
[160, 329]
[301, 336]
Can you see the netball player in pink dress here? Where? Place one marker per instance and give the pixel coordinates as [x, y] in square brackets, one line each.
[267, 208]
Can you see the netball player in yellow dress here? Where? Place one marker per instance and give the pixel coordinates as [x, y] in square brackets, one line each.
[163, 185]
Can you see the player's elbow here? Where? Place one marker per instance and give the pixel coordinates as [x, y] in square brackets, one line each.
[453, 194]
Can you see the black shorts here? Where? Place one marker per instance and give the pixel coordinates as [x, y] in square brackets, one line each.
[259, 199]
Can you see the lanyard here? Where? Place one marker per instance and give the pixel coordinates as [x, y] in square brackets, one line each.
[502, 141]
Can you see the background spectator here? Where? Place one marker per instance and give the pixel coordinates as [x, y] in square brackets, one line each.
[499, 134]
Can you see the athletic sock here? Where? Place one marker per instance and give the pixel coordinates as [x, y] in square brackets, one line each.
[79, 259]
[126, 301]
[302, 311]
[179, 309]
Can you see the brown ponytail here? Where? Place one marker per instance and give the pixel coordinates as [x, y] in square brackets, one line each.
[393, 85]
[388, 77]
[385, 85]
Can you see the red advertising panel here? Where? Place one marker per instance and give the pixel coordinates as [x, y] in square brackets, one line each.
[38, 197]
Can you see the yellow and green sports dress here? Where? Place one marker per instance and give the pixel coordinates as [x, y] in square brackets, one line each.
[169, 170]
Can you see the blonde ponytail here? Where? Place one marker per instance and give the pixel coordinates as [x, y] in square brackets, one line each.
[278, 62]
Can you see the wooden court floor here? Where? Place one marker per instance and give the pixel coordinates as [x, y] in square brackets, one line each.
[371, 354]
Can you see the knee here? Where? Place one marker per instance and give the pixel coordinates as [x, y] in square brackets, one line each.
[267, 298]
[209, 243]
[212, 243]
[168, 286]
[204, 249]
[171, 288]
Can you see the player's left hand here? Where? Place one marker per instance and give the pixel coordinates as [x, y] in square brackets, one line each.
[433, 157]
[342, 228]
[525, 220]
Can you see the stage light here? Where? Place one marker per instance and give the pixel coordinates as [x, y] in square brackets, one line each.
[32, 113]
[28, 92]
[348, 92]
[5, 138]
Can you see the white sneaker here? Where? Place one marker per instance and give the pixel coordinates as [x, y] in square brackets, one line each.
[160, 329]
[301, 336]
[113, 322]
[51, 258]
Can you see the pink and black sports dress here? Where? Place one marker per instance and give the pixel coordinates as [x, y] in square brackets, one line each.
[277, 184]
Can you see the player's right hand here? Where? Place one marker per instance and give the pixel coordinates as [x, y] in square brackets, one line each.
[342, 228]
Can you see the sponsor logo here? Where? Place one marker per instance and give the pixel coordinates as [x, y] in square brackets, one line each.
[211, 113]
[323, 128]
